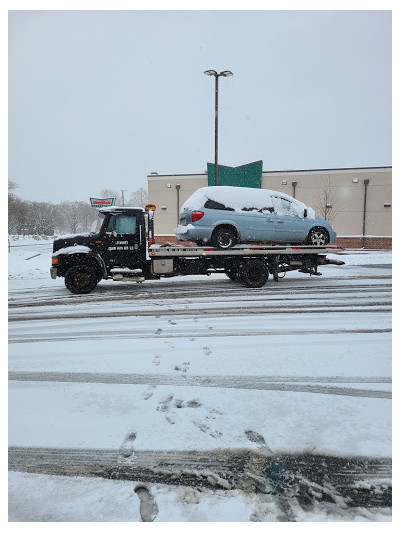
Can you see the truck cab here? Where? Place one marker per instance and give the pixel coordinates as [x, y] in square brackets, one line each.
[118, 249]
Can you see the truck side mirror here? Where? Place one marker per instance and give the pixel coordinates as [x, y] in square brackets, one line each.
[305, 213]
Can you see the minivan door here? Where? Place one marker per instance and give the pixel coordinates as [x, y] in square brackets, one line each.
[289, 227]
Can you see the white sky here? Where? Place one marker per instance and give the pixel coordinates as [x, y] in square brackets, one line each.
[99, 99]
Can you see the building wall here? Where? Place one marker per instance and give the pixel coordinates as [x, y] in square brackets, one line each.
[343, 189]
[163, 194]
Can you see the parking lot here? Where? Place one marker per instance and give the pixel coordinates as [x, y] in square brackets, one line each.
[266, 404]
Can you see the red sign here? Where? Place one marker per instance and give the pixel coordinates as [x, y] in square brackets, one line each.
[101, 202]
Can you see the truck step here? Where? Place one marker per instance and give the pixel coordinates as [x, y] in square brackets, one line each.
[127, 274]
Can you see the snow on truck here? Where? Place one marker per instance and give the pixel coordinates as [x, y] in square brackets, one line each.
[123, 248]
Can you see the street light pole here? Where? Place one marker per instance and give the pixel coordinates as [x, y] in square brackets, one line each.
[123, 200]
[225, 74]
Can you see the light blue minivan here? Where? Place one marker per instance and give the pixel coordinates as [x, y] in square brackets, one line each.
[224, 216]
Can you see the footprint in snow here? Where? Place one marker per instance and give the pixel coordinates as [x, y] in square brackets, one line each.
[255, 437]
[148, 508]
[148, 393]
[164, 404]
[126, 449]
[156, 360]
[184, 367]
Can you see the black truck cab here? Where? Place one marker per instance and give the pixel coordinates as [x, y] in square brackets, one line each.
[118, 248]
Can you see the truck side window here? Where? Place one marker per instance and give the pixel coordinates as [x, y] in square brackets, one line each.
[110, 225]
[126, 224]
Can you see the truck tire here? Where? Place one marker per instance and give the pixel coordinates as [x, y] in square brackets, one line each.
[81, 279]
[318, 237]
[254, 273]
[224, 238]
[232, 274]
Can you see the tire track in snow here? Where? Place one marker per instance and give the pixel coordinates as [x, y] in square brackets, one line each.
[290, 384]
[30, 338]
[345, 481]
[215, 290]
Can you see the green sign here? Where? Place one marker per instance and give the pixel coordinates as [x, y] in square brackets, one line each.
[244, 176]
[101, 202]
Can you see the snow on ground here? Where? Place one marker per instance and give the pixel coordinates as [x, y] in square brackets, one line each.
[168, 417]
[54, 498]
[101, 415]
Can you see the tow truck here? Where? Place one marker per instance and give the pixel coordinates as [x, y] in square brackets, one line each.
[124, 249]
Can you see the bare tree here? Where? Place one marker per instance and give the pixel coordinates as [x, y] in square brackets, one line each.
[109, 193]
[12, 185]
[139, 198]
[18, 215]
[78, 216]
[328, 205]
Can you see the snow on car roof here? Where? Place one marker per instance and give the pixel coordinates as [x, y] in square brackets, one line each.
[238, 198]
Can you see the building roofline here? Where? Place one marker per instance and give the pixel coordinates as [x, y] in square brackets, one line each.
[271, 171]
[322, 169]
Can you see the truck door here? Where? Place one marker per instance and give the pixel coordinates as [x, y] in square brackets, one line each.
[123, 240]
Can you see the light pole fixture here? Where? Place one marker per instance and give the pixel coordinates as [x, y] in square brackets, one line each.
[225, 74]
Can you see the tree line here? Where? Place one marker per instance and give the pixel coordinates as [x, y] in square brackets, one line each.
[43, 218]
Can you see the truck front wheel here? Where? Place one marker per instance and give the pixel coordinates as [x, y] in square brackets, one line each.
[254, 273]
[81, 279]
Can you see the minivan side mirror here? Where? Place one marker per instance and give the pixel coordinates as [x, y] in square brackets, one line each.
[305, 213]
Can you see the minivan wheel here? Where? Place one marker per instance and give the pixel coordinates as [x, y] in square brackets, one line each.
[254, 273]
[224, 238]
[81, 279]
[318, 237]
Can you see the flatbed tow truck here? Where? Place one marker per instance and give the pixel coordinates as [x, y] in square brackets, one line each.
[124, 249]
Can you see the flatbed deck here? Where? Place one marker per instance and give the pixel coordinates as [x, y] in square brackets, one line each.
[239, 250]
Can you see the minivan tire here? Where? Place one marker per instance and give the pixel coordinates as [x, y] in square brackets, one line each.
[254, 273]
[318, 237]
[224, 238]
[81, 279]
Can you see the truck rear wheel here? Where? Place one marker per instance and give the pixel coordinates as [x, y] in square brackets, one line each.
[254, 273]
[232, 274]
[81, 279]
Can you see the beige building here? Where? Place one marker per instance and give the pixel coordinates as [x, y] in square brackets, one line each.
[358, 201]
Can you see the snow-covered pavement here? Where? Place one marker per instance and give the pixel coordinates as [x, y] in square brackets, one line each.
[180, 366]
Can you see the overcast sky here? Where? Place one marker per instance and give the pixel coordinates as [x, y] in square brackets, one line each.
[100, 99]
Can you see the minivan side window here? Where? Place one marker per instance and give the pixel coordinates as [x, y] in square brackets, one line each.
[212, 204]
[283, 206]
